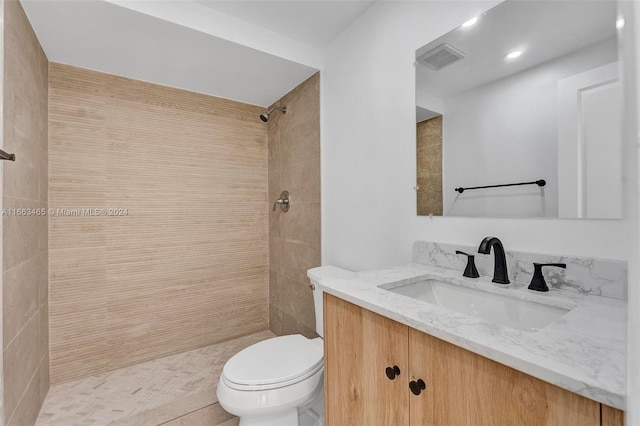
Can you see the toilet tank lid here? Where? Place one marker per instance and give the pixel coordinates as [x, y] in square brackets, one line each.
[316, 274]
[275, 360]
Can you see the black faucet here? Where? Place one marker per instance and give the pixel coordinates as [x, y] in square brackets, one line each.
[537, 282]
[500, 275]
[470, 271]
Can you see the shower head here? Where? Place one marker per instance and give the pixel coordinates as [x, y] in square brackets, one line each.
[265, 115]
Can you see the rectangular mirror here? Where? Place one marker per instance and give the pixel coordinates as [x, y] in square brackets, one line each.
[518, 114]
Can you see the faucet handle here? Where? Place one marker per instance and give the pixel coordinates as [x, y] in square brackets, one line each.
[470, 271]
[537, 282]
[284, 202]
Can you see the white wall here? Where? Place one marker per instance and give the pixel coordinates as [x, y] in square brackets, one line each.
[368, 159]
[2, 417]
[368, 148]
[427, 101]
[629, 46]
[506, 132]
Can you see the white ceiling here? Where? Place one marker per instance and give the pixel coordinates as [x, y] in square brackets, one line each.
[312, 22]
[194, 45]
[543, 30]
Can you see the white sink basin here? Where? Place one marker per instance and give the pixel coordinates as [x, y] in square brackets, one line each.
[516, 313]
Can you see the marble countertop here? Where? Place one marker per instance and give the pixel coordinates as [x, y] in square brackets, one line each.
[584, 351]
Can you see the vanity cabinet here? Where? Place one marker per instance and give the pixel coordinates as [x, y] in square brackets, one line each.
[461, 388]
[361, 346]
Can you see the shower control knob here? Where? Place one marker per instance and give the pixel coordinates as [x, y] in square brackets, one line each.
[417, 386]
[283, 201]
[392, 372]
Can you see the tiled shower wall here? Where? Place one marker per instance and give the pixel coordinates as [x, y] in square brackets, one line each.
[25, 187]
[294, 237]
[179, 257]
[429, 166]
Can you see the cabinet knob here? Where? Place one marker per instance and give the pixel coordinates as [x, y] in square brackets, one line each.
[392, 372]
[417, 386]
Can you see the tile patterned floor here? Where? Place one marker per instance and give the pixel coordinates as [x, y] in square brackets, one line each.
[150, 393]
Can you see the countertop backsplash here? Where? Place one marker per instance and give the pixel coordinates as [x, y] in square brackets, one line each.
[589, 276]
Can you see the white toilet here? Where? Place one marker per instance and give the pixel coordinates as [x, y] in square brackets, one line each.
[279, 381]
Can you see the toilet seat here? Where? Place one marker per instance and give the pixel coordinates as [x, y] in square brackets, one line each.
[274, 363]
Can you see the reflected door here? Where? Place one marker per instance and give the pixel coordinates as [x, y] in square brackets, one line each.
[589, 144]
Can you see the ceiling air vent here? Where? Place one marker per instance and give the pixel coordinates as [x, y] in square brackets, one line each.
[441, 56]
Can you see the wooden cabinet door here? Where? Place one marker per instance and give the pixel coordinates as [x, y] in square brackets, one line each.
[359, 345]
[467, 389]
[612, 416]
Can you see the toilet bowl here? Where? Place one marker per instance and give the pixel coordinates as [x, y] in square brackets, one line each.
[279, 381]
[265, 383]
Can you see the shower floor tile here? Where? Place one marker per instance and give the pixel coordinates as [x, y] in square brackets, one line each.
[150, 393]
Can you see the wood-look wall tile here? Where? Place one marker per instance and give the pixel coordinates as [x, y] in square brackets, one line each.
[303, 224]
[300, 143]
[297, 259]
[20, 297]
[273, 136]
[297, 301]
[21, 358]
[295, 235]
[303, 103]
[25, 114]
[275, 320]
[288, 324]
[43, 277]
[27, 410]
[302, 180]
[187, 266]
[429, 166]
[21, 41]
[274, 289]
[275, 255]
[43, 373]
[22, 178]
[432, 159]
[21, 239]
[44, 330]
[43, 173]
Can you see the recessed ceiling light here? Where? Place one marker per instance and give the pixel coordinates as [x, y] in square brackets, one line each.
[470, 22]
[514, 54]
[620, 23]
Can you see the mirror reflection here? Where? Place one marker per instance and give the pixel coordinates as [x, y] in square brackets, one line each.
[527, 93]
